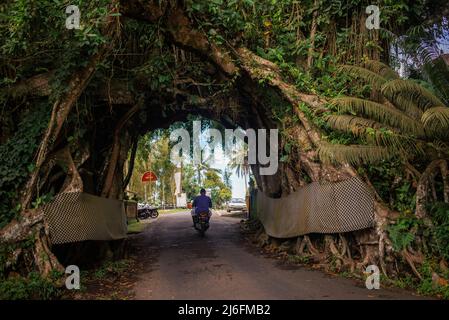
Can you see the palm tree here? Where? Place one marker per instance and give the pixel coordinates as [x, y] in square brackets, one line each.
[227, 178]
[203, 167]
[406, 121]
[239, 163]
[422, 46]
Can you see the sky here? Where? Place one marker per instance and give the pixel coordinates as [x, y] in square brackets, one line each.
[219, 161]
[238, 183]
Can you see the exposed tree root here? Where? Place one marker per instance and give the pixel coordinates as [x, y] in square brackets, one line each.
[116, 149]
[31, 226]
[411, 260]
[424, 183]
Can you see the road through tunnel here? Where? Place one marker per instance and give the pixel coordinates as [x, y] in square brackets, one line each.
[151, 65]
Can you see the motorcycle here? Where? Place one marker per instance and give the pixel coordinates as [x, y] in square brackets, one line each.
[145, 211]
[201, 223]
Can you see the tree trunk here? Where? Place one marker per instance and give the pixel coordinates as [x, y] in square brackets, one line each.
[116, 149]
[132, 160]
[63, 106]
[312, 35]
[422, 189]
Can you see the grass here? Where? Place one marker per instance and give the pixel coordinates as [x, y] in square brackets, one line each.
[111, 267]
[110, 281]
[298, 259]
[135, 226]
[166, 211]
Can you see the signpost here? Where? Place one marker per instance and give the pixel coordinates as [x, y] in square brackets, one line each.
[148, 176]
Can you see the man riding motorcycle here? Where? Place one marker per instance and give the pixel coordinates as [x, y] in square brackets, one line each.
[201, 203]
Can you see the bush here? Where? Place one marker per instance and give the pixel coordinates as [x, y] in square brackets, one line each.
[427, 286]
[440, 216]
[32, 287]
[403, 232]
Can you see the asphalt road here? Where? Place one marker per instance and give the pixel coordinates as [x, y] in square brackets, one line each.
[178, 264]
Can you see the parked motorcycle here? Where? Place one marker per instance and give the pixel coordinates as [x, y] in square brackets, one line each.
[201, 223]
[145, 211]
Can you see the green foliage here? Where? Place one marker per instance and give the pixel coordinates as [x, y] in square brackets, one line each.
[403, 232]
[190, 183]
[35, 31]
[440, 215]
[16, 157]
[354, 154]
[405, 118]
[31, 287]
[427, 286]
[220, 193]
[110, 268]
[298, 259]
[387, 179]
[135, 226]
[34, 40]
[6, 250]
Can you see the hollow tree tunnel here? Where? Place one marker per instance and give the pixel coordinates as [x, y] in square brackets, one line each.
[101, 114]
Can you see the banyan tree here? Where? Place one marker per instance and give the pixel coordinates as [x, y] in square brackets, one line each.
[75, 102]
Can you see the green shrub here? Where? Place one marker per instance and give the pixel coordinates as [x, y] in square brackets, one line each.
[32, 287]
[440, 216]
[403, 232]
[427, 286]
[16, 160]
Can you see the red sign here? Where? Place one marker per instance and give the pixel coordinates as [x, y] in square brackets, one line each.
[149, 176]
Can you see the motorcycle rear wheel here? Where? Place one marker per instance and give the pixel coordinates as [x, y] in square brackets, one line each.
[143, 215]
[154, 214]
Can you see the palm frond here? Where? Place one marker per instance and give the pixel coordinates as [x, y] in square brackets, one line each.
[407, 106]
[381, 69]
[437, 73]
[352, 124]
[411, 91]
[353, 154]
[370, 77]
[436, 120]
[379, 112]
[374, 133]
[427, 51]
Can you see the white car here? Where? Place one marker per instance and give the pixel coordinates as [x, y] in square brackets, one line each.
[236, 204]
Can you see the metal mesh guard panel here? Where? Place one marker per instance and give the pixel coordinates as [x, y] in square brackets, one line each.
[78, 216]
[318, 208]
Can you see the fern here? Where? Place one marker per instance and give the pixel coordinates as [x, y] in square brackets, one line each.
[400, 236]
[402, 233]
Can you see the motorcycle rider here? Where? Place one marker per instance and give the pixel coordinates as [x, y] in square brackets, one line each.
[201, 203]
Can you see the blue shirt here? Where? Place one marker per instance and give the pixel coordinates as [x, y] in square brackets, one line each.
[202, 203]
